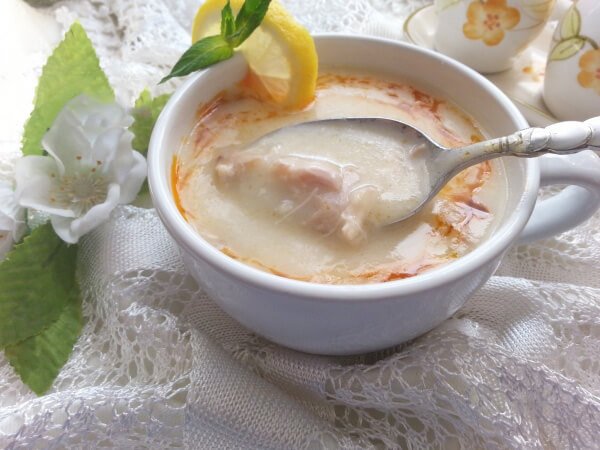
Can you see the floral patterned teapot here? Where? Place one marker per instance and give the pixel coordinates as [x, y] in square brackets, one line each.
[572, 81]
[487, 34]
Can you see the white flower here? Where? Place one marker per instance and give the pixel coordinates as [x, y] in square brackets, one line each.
[12, 224]
[91, 168]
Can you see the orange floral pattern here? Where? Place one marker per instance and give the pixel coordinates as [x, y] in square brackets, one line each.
[589, 77]
[488, 21]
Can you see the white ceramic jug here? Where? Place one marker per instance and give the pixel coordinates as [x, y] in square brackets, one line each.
[572, 80]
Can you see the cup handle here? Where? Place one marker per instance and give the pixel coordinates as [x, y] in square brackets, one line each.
[574, 204]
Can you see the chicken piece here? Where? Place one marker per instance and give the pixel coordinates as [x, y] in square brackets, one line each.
[312, 192]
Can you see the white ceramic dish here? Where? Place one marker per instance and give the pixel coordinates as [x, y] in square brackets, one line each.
[523, 83]
[337, 319]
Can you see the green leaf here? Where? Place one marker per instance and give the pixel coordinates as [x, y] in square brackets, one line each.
[566, 48]
[72, 69]
[442, 5]
[38, 359]
[571, 23]
[146, 111]
[227, 21]
[37, 279]
[250, 16]
[537, 10]
[203, 53]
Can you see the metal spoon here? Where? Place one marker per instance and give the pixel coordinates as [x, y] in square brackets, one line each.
[443, 163]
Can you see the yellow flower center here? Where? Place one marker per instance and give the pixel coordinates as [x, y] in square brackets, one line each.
[492, 21]
[81, 191]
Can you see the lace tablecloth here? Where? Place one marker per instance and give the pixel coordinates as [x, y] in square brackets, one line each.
[159, 365]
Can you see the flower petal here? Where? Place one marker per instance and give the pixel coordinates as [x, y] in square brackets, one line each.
[123, 158]
[107, 148]
[509, 18]
[500, 4]
[67, 143]
[95, 117]
[33, 175]
[12, 216]
[596, 85]
[596, 63]
[493, 37]
[7, 223]
[62, 227]
[474, 27]
[586, 79]
[475, 12]
[472, 30]
[135, 179]
[590, 60]
[99, 116]
[97, 214]
[9, 208]
[6, 243]
[20, 228]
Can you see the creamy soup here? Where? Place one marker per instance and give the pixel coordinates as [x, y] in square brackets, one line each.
[313, 203]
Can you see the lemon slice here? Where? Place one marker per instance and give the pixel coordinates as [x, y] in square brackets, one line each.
[281, 53]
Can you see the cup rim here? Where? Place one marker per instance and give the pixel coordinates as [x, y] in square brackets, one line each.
[194, 244]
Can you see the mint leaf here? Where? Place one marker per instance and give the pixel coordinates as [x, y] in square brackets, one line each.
[213, 49]
[38, 359]
[227, 21]
[37, 279]
[250, 16]
[72, 69]
[203, 53]
[145, 113]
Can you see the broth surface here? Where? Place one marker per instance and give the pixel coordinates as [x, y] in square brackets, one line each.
[307, 217]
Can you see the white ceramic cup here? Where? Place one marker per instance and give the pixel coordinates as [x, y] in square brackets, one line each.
[572, 80]
[487, 34]
[338, 319]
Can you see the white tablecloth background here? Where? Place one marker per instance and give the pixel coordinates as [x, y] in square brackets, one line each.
[159, 365]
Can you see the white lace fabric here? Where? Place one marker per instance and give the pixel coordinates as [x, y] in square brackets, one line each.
[159, 365]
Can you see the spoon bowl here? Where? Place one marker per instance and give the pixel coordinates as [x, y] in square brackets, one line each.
[443, 163]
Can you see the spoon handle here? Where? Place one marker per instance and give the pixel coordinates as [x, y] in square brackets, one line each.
[561, 138]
